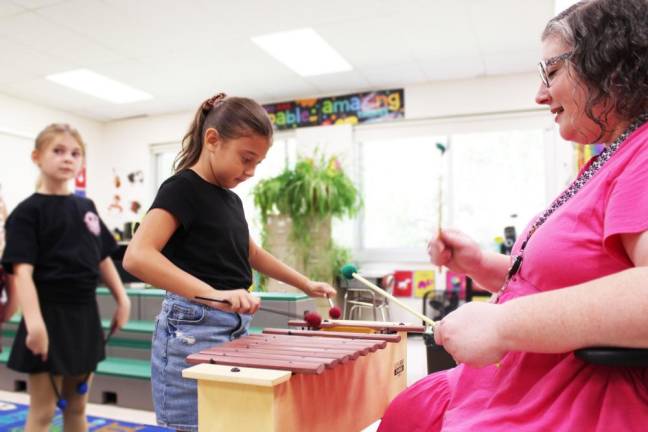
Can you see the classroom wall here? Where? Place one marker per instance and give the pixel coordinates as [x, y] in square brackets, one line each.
[126, 144]
[20, 122]
[496, 94]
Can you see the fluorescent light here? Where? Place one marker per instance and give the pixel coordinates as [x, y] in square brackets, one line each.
[89, 82]
[303, 51]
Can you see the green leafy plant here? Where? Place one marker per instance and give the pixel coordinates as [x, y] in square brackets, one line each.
[311, 194]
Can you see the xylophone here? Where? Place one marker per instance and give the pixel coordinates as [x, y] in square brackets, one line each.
[302, 380]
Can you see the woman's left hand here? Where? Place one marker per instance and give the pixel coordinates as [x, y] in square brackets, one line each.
[470, 334]
[121, 315]
[319, 289]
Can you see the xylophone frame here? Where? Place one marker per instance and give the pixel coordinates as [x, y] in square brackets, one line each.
[348, 397]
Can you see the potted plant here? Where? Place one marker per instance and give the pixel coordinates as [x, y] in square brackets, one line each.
[297, 207]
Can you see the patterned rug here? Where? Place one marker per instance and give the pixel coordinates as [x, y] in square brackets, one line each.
[13, 416]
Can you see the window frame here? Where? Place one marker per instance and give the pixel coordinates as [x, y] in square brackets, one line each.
[557, 167]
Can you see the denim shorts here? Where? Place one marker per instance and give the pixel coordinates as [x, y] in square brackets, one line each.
[184, 328]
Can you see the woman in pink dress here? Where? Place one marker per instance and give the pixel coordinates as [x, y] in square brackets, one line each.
[578, 275]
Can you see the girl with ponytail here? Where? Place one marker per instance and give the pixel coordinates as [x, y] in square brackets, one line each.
[194, 242]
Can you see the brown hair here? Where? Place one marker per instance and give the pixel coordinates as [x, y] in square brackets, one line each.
[232, 117]
[609, 43]
[46, 136]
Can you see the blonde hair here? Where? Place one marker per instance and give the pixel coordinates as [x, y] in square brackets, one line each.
[47, 135]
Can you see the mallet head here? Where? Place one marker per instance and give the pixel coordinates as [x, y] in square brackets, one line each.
[348, 270]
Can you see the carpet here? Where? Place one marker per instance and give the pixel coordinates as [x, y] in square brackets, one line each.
[13, 416]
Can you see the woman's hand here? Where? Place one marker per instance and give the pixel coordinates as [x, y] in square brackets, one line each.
[240, 301]
[121, 315]
[38, 340]
[456, 251]
[319, 289]
[471, 334]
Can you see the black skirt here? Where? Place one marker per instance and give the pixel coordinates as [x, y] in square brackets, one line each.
[76, 341]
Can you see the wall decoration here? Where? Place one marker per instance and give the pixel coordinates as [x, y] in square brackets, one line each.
[403, 283]
[456, 283]
[346, 109]
[80, 183]
[423, 282]
[583, 153]
[125, 209]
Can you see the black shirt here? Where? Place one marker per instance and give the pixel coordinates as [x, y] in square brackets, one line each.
[62, 237]
[212, 242]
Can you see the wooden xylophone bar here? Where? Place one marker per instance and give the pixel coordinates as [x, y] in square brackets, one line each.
[283, 351]
[296, 380]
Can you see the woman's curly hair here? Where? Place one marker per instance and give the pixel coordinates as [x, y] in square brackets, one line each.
[609, 40]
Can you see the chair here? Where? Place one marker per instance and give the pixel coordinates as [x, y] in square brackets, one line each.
[359, 299]
[611, 356]
[436, 305]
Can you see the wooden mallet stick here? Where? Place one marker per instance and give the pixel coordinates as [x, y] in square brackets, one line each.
[349, 271]
[442, 149]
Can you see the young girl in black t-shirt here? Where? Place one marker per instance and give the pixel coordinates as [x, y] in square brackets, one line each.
[56, 249]
[195, 242]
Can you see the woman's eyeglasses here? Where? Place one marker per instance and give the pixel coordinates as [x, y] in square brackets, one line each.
[543, 65]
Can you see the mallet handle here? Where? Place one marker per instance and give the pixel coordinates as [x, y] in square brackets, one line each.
[384, 293]
[274, 311]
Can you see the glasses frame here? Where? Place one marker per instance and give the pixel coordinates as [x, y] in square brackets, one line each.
[544, 64]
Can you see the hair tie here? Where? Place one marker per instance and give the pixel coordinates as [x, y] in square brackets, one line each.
[212, 101]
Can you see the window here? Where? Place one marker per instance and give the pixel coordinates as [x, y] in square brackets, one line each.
[163, 159]
[495, 173]
[275, 162]
[399, 184]
[498, 179]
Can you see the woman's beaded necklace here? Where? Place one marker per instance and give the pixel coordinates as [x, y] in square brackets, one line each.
[577, 185]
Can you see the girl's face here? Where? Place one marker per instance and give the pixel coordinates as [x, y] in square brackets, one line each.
[59, 160]
[234, 161]
[567, 96]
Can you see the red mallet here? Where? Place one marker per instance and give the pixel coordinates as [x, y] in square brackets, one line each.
[335, 311]
[313, 319]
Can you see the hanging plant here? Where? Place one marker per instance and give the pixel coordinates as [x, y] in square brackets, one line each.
[313, 192]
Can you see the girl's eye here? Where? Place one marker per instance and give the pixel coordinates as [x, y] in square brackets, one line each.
[76, 154]
[58, 151]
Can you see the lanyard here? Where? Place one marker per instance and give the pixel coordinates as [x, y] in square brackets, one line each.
[577, 185]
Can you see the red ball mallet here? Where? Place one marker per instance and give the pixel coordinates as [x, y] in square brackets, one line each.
[313, 319]
[335, 311]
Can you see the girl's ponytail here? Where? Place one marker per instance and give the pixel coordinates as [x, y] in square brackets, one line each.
[192, 142]
[232, 117]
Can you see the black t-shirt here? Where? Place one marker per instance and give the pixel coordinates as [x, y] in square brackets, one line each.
[212, 241]
[61, 236]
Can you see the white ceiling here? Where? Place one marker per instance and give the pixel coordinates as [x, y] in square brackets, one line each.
[183, 51]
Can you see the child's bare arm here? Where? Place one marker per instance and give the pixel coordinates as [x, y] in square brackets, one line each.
[264, 262]
[145, 260]
[37, 337]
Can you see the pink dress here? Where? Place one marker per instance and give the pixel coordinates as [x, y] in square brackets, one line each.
[551, 392]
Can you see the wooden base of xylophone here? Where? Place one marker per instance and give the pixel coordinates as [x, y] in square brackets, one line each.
[349, 396]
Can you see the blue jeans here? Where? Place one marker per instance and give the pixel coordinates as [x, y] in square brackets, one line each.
[184, 328]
